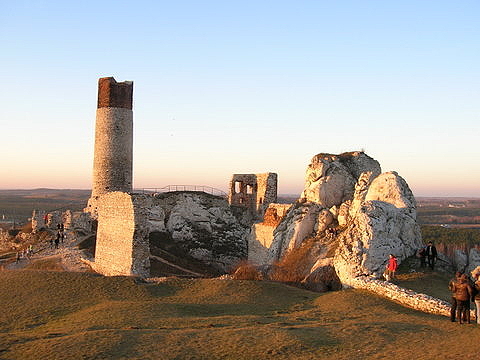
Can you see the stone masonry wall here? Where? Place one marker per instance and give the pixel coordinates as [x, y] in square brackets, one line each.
[266, 191]
[122, 236]
[113, 153]
[112, 168]
[261, 234]
[253, 191]
[409, 298]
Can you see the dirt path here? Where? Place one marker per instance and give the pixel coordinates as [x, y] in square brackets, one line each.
[68, 255]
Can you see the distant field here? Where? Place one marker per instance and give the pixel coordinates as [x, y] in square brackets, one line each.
[18, 204]
[452, 211]
[58, 315]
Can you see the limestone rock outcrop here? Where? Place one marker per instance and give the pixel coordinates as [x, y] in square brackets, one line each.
[206, 228]
[355, 216]
[330, 179]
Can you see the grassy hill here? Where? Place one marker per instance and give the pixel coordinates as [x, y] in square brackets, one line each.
[60, 315]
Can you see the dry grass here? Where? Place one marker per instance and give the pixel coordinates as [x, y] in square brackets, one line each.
[246, 271]
[59, 315]
[295, 265]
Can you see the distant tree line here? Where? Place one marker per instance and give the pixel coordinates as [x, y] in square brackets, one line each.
[438, 234]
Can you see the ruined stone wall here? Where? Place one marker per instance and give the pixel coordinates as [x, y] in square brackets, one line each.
[261, 234]
[275, 213]
[253, 191]
[266, 191]
[113, 153]
[122, 236]
[409, 298]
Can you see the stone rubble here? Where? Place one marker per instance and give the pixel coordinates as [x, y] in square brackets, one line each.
[406, 297]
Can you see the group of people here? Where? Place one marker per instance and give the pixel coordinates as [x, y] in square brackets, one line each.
[463, 291]
[60, 236]
[428, 255]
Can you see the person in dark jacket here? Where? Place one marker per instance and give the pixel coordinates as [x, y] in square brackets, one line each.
[431, 251]
[463, 293]
[451, 287]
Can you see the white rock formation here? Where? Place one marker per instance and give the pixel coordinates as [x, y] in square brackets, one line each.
[384, 224]
[209, 232]
[375, 215]
[330, 179]
[299, 224]
[473, 259]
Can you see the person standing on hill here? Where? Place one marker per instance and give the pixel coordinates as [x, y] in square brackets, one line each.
[391, 268]
[463, 294]
[451, 287]
[431, 251]
[57, 240]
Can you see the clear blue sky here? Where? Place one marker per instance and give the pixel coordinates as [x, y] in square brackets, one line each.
[224, 87]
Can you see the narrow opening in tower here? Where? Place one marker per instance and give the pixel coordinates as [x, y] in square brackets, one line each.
[237, 187]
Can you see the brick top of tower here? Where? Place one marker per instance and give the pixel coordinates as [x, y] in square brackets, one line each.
[114, 94]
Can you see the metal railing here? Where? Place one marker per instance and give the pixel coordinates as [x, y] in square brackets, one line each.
[192, 188]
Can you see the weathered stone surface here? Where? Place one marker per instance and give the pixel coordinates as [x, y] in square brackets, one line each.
[343, 213]
[460, 260]
[113, 153]
[330, 179]
[473, 259]
[322, 277]
[253, 191]
[122, 246]
[384, 224]
[206, 228]
[260, 239]
[38, 220]
[114, 94]
[324, 220]
[410, 298]
[299, 224]
[373, 214]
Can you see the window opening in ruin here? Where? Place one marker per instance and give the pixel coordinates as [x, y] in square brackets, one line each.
[260, 201]
[249, 189]
[238, 187]
[241, 201]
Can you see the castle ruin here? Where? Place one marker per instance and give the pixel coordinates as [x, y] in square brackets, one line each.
[200, 225]
[253, 191]
[113, 154]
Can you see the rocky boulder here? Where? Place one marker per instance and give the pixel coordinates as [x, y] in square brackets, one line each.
[205, 228]
[354, 216]
[330, 179]
[384, 224]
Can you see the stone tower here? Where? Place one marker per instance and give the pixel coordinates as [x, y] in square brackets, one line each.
[253, 191]
[113, 154]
